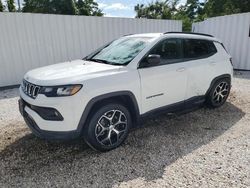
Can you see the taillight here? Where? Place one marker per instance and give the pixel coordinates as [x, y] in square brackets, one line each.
[231, 61]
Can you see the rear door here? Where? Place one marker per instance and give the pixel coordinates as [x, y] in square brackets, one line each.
[199, 56]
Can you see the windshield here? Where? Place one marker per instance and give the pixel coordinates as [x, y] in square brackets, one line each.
[121, 51]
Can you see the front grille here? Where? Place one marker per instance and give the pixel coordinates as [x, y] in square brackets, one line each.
[30, 89]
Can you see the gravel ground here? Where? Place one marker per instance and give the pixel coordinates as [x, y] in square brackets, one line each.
[205, 148]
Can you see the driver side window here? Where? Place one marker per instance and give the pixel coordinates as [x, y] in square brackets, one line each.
[169, 50]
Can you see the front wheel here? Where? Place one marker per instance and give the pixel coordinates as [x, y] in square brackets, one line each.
[219, 93]
[108, 127]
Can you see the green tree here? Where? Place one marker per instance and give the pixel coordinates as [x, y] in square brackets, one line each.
[194, 9]
[11, 5]
[181, 14]
[156, 10]
[36, 6]
[63, 7]
[214, 8]
[168, 10]
[88, 8]
[50, 6]
[1, 6]
[68, 7]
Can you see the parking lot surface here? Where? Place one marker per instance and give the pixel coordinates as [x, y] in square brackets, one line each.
[205, 148]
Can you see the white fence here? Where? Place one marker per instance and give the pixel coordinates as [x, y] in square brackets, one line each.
[28, 40]
[234, 32]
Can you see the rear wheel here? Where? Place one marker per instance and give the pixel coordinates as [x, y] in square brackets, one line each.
[108, 127]
[219, 93]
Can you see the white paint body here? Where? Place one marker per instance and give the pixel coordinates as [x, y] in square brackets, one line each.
[178, 82]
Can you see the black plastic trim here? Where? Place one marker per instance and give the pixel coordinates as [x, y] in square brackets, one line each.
[97, 99]
[249, 31]
[45, 112]
[176, 108]
[191, 33]
[172, 108]
[49, 135]
[216, 79]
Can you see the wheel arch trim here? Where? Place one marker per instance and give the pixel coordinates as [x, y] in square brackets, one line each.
[216, 79]
[106, 96]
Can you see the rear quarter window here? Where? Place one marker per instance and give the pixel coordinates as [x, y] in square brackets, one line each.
[194, 48]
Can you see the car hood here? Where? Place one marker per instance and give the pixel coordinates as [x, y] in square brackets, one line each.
[69, 72]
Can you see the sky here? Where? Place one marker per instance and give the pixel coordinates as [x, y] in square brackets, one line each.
[120, 8]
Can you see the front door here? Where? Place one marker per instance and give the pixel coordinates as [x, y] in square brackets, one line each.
[164, 84]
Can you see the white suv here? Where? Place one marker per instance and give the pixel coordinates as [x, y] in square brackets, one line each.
[110, 91]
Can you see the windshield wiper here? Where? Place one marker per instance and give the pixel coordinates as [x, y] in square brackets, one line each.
[103, 61]
[98, 61]
[112, 63]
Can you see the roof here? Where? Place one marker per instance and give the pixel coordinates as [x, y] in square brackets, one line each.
[193, 35]
[177, 35]
[190, 33]
[152, 35]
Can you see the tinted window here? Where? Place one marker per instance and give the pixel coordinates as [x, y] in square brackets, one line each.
[194, 48]
[169, 50]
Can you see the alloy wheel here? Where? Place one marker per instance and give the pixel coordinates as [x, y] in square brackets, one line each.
[111, 127]
[220, 93]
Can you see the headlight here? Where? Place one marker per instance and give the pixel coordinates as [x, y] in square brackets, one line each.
[60, 91]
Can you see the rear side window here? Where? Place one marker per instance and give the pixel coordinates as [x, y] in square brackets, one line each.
[194, 48]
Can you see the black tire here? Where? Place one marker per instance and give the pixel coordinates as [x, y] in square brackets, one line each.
[103, 136]
[218, 93]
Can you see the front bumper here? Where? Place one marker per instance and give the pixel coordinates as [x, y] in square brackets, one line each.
[35, 112]
[48, 135]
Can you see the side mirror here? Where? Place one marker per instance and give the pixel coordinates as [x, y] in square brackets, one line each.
[153, 59]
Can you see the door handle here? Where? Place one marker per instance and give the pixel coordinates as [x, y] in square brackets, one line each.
[181, 69]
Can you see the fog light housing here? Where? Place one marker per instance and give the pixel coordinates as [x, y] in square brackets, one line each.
[49, 114]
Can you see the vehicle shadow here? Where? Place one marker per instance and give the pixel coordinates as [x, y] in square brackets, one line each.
[146, 153]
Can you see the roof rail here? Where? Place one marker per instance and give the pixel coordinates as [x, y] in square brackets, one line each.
[191, 33]
[127, 34]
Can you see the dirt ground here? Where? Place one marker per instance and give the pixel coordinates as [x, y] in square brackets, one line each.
[205, 148]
